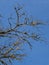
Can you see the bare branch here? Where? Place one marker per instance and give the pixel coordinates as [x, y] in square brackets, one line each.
[14, 50]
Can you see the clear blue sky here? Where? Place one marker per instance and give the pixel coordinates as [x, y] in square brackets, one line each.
[39, 9]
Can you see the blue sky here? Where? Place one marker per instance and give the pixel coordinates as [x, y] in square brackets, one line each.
[39, 9]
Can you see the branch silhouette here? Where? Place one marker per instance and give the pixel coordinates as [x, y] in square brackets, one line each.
[12, 51]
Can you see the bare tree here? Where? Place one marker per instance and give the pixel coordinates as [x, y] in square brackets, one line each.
[13, 50]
